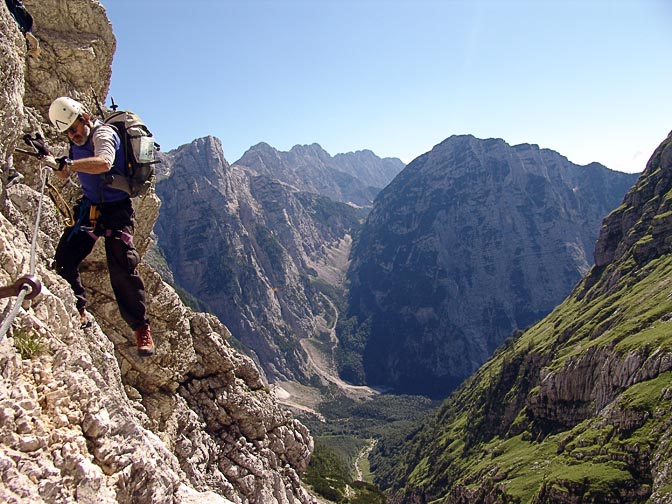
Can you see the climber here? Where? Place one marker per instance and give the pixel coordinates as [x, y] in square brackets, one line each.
[25, 22]
[95, 149]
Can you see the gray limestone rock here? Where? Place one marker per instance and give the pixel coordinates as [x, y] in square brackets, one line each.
[472, 241]
[82, 418]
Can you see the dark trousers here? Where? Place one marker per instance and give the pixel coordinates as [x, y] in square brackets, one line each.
[23, 18]
[115, 225]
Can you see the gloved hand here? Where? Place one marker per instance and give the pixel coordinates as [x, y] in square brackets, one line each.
[63, 162]
[37, 143]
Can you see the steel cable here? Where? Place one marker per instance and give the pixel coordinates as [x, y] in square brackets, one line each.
[6, 324]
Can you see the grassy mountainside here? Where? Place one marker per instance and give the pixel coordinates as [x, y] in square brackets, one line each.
[577, 408]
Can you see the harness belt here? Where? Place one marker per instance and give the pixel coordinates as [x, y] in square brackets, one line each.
[92, 211]
[85, 210]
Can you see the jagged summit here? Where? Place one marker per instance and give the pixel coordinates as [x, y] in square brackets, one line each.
[314, 149]
[204, 154]
[640, 227]
[353, 177]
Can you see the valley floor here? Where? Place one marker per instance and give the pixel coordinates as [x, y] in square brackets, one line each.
[345, 420]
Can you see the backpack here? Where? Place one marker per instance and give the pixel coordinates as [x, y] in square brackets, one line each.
[139, 153]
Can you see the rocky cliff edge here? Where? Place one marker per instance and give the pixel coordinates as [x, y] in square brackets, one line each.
[82, 419]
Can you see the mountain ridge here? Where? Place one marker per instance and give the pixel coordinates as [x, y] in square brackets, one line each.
[471, 241]
[350, 178]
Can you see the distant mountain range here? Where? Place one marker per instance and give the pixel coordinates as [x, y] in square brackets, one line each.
[355, 177]
[467, 244]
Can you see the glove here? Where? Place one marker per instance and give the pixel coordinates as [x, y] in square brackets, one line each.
[63, 162]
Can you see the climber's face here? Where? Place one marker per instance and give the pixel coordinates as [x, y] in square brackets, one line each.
[79, 132]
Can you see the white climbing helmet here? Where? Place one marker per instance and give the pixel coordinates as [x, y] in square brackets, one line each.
[64, 111]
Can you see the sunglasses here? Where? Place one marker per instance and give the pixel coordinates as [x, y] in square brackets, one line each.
[73, 129]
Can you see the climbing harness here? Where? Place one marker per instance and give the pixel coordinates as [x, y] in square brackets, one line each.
[87, 210]
[29, 280]
[92, 212]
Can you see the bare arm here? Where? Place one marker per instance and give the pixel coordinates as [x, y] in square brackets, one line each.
[92, 165]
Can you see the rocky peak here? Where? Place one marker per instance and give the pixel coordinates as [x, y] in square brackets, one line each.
[260, 152]
[368, 167]
[640, 227]
[203, 154]
[471, 241]
[309, 168]
[312, 151]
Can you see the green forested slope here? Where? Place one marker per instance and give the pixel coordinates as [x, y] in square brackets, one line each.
[578, 407]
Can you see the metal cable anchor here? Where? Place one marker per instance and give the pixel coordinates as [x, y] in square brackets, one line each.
[26, 281]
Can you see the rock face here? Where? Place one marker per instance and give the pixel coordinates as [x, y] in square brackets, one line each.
[355, 177]
[82, 419]
[641, 225]
[578, 407]
[254, 251]
[472, 241]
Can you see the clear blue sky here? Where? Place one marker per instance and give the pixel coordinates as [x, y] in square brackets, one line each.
[591, 79]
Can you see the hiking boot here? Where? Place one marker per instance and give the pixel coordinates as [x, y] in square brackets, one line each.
[143, 339]
[84, 320]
